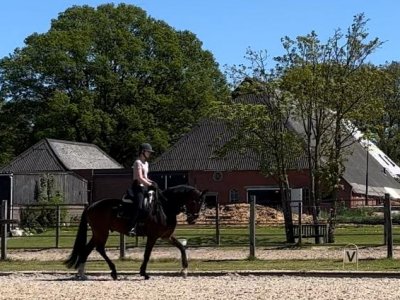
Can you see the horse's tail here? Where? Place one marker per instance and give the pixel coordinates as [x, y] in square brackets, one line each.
[80, 242]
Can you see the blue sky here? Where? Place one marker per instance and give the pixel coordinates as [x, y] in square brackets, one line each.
[226, 27]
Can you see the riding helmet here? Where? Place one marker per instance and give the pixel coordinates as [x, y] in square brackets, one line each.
[145, 147]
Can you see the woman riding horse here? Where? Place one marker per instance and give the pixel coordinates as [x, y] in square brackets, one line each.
[102, 216]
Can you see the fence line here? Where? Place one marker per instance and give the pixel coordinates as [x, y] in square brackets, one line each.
[214, 232]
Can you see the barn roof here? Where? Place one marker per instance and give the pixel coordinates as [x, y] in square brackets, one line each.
[59, 155]
[357, 171]
[196, 151]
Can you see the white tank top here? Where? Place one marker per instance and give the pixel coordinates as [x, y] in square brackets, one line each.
[139, 165]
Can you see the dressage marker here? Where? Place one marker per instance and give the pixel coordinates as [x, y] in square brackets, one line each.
[350, 255]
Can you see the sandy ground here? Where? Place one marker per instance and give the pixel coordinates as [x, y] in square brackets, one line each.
[41, 286]
[229, 286]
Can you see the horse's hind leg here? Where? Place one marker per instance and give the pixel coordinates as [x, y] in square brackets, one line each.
[179, 245]
[101, 249]
[83, 258]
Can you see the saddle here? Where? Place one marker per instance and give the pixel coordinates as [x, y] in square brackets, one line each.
[151, 208]
[125, 209]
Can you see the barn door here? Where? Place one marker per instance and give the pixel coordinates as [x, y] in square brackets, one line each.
[6, 192]
[265, 196]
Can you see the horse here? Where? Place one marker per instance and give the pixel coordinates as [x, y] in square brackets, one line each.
[103, 217]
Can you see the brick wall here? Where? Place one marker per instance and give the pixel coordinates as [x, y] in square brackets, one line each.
[222, 183]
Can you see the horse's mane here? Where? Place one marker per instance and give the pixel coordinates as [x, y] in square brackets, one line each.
[173, 197]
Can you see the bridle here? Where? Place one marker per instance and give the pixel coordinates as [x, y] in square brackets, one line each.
[195, 215]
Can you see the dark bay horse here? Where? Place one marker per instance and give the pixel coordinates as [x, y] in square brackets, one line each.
[102, 216]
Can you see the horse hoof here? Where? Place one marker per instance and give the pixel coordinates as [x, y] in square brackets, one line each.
[81, 277]
[146, 276]
[184, 272]
[114, 275]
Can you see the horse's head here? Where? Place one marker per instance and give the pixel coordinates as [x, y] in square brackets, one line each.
[184, 198]
[193, 205]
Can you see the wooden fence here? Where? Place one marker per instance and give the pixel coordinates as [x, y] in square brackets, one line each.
[5, 223]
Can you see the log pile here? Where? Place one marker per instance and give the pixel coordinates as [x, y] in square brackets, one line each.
[240, 213]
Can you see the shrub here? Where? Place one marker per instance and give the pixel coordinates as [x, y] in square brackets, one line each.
[42, 215]
[359, 215]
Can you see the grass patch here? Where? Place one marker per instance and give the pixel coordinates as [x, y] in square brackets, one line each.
[204, 236]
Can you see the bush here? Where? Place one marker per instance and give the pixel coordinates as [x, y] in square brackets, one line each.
[359, 215]
[29, 217]
[42, 215]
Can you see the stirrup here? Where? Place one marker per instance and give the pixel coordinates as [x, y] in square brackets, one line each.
[132, 232]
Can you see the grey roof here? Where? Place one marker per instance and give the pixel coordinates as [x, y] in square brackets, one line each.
[379, 181]
[195, 151]
[82, 156]
[38, 157]
[59, 155]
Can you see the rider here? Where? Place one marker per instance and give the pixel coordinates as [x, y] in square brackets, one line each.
[141, 182]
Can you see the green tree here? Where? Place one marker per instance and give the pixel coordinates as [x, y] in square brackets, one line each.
[43, 213]
[387, 129]
[262, 125]
[109, 75]
[334, 88]
[6, 138]
[327, 89]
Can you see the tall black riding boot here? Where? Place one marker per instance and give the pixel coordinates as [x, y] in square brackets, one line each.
[133, 223]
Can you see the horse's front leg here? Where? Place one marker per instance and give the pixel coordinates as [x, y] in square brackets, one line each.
[179, 245]
[149, 247]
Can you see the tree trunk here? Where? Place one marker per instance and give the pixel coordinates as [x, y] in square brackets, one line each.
[287, 209]
[337, 171]
[332, 223]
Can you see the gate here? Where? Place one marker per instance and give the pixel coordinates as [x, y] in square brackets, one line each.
[6, 193]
